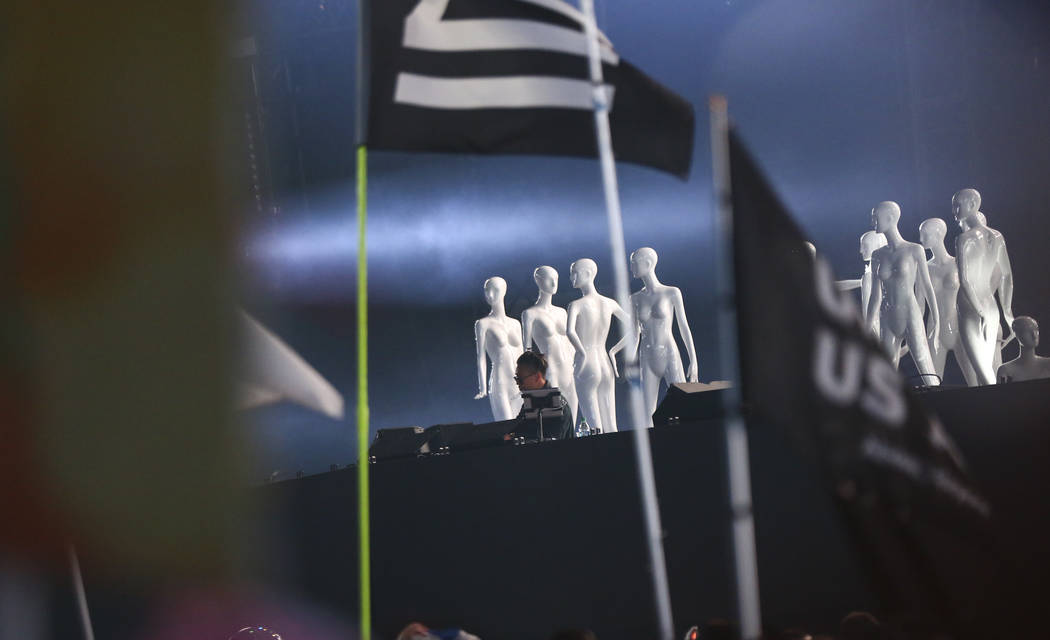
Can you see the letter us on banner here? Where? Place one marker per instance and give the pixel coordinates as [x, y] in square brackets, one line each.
[809, 367]
[511, 76]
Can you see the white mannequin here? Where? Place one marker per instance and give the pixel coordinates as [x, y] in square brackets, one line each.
[499, 338]
[898, 268]
[1003, 286]
[1026, 366]
[869, 242]
[544, 324]
[589, 318]
[656, 307]
[984, 267]
[944, 274]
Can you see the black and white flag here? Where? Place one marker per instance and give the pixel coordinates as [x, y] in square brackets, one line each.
[511, 76]
[808, 366]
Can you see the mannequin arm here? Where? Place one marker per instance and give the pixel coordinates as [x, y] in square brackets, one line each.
[693, 372]
[1006, 289]
[847, 285]
[872, 312]
[526, 329]
[625, 323]
[574, 338]
[920, 297]
[931, 297]
[479, 342]
[964, 250]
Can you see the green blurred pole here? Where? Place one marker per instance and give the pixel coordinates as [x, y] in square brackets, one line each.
[363, 526]
[364, 551]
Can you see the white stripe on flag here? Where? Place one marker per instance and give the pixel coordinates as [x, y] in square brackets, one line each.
[424, 29]
[511, 92]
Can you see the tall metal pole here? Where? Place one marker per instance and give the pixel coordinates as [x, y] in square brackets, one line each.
[364, 551]
[745, 559]
[646, 478]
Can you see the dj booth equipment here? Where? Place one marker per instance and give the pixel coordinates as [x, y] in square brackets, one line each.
[540, 406]
[410, 442]
[690, 402]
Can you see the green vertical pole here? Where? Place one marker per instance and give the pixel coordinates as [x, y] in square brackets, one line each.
[363, 526]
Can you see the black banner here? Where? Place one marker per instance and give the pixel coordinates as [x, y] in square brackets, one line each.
[808, 365]
[510, 76]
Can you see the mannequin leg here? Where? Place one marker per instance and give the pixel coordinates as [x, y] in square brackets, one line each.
[607, 400]
[940, 358]
[891, 345]
[587, 391]
[970, 336]
[997, 353]
[561, 377]
[920, 351]
[650, 390]
[501, 409]
[964, 363]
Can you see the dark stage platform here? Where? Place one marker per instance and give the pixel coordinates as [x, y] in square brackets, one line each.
[514, 542]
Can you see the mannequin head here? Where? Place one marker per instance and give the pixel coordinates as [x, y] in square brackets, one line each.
[932, 232]
[885, 216]
[1027, 330]
[546, 279]
[643, 261]
[970, 223]
[495, 288]
[869, 242]
[965, 205]
[582, 272]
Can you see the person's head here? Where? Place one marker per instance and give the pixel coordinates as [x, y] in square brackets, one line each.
[643, 261]
[546, 279]
[860, 625]
[582, 272]
[966, 204]
[932, 232]
[1027, 331]
[495, 288]
[574, 634]
[530, 372]
[869, 242]
[414, 631]
[884, 216]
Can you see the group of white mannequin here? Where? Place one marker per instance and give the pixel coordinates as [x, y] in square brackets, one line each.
[899, 285]
[574, 341]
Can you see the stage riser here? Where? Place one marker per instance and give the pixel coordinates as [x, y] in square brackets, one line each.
[514, 542]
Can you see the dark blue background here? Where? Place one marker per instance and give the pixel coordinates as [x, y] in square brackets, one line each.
[843, 105]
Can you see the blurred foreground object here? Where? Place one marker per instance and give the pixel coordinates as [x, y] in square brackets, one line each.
[272, 371]
[120, 323]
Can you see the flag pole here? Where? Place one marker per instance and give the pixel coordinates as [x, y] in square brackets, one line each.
[739, 470]
[646, 478]
[364, 551]
[81, 593]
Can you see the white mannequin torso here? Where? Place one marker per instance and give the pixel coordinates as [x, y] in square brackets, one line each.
[588, 323]
[978, 253]
[544, 325]
[897, 269]
[1021, 369]
[657, 307]
[498, 338]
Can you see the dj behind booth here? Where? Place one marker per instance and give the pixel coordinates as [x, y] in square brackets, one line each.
[545, 415]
